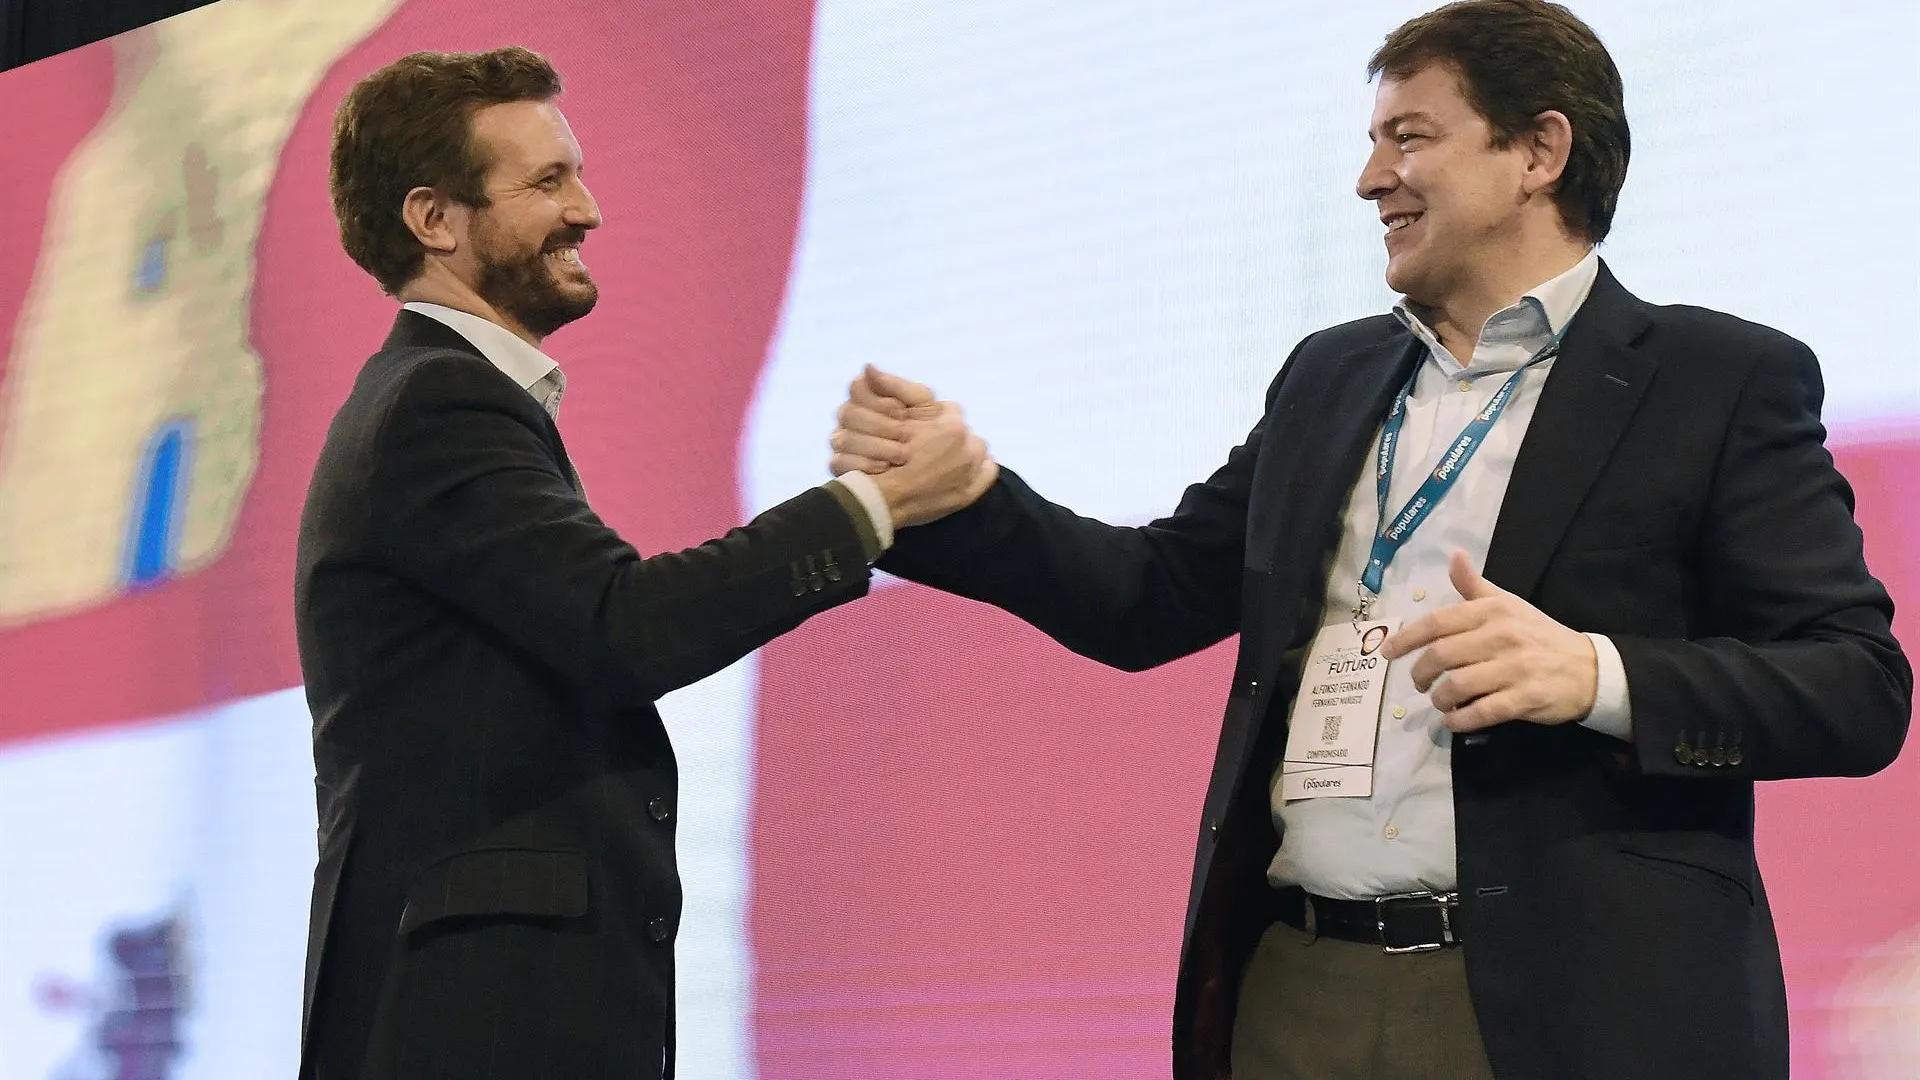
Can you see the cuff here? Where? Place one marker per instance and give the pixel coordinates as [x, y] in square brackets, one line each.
[1612, 709]
[868, 507]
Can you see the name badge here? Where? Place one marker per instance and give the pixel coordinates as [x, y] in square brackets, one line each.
[1336, 715]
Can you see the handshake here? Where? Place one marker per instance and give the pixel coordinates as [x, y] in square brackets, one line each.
[921, 455]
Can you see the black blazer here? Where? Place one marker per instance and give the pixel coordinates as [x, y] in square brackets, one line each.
[1673, 491]
[496, 895]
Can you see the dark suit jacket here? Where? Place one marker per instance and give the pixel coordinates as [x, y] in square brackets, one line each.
[1673, 492]
[496, 895]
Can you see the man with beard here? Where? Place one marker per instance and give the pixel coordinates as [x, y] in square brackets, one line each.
[496, 894]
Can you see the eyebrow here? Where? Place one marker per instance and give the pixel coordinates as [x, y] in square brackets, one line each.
[1397, 119]
[558, 166]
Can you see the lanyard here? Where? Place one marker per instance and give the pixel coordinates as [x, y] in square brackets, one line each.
[1393, 535]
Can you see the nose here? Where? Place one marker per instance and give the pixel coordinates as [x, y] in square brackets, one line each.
[582, 210]
[1377, 177]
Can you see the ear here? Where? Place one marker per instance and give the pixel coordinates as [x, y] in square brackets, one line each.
[1547, 147]
[429, 215]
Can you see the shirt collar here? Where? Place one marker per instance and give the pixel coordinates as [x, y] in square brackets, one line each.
[516, 359]
[1544, 310]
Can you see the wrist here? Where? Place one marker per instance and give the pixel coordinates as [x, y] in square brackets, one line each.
[871, 503]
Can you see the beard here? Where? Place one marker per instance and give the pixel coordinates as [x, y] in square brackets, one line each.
[523, 286]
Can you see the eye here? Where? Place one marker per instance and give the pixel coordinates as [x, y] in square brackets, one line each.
[1406, 137]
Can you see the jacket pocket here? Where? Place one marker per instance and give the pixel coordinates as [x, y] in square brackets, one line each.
[1693, 858]
[1626, 528]
[498, 881]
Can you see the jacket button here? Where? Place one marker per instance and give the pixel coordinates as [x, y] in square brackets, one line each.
[1735, 757]
[1700, 755]
[660, 930]
[1683, 753]
[659, 810]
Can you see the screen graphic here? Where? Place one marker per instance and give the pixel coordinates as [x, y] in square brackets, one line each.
[920, 840]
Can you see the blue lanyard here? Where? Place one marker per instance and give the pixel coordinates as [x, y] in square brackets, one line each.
[1393, 535]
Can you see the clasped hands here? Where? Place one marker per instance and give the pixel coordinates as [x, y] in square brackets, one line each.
[1488, 660]
[919, 451]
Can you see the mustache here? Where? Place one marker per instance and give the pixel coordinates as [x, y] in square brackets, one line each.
[566, 238]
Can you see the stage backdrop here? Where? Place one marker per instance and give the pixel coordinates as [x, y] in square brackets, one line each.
[920, 840]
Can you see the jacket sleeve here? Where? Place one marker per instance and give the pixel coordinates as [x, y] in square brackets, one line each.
[470, 504]
[1797, 673]
[1128, 597]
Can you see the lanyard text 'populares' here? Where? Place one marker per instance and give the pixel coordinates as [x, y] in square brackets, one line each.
[1393, 535]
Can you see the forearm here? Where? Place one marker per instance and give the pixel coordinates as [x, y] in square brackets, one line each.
[1131, 598]
[469, 504]
[1835, 703]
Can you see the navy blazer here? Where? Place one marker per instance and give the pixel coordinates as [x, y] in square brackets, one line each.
[1674, 492]
[497, 894]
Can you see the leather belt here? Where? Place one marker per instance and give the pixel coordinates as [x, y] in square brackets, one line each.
[1401, 923]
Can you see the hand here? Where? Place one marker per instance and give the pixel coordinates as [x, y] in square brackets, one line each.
[1502, 658]
[873, 432]
[946, 468]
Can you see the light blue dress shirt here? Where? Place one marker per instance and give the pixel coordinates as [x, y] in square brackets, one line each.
[1400, 839]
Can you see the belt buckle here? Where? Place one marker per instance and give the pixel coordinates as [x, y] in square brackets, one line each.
[1446, 920]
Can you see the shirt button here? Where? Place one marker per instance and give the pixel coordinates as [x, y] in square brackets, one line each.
[1391, 832]
[659, 810]
[660, 930]
[1419, 595]
[1399, 712]
[1465, 385]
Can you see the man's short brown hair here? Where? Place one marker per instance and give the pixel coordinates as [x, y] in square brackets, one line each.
[410, 125]
[1515, 60]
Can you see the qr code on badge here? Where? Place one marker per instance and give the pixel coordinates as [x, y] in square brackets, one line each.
[1330, 729]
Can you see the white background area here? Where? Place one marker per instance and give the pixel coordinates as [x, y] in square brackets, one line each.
[1102, 227]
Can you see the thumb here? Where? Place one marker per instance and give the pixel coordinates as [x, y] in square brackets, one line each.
[1467, 581]
[905, 391]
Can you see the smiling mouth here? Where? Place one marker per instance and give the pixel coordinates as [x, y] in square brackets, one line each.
[568, 254]
[1401, 221]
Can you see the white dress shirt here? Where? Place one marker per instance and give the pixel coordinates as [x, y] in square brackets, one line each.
[504, 349]
[1400, 839]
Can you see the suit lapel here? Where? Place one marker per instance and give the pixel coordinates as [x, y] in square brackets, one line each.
[1331, 447]
[1590, 396]
[1322, 428]
[414, 330]
[1327, 437]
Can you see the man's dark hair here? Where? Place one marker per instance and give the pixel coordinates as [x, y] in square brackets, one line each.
[410, 125]
[1516, 59]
